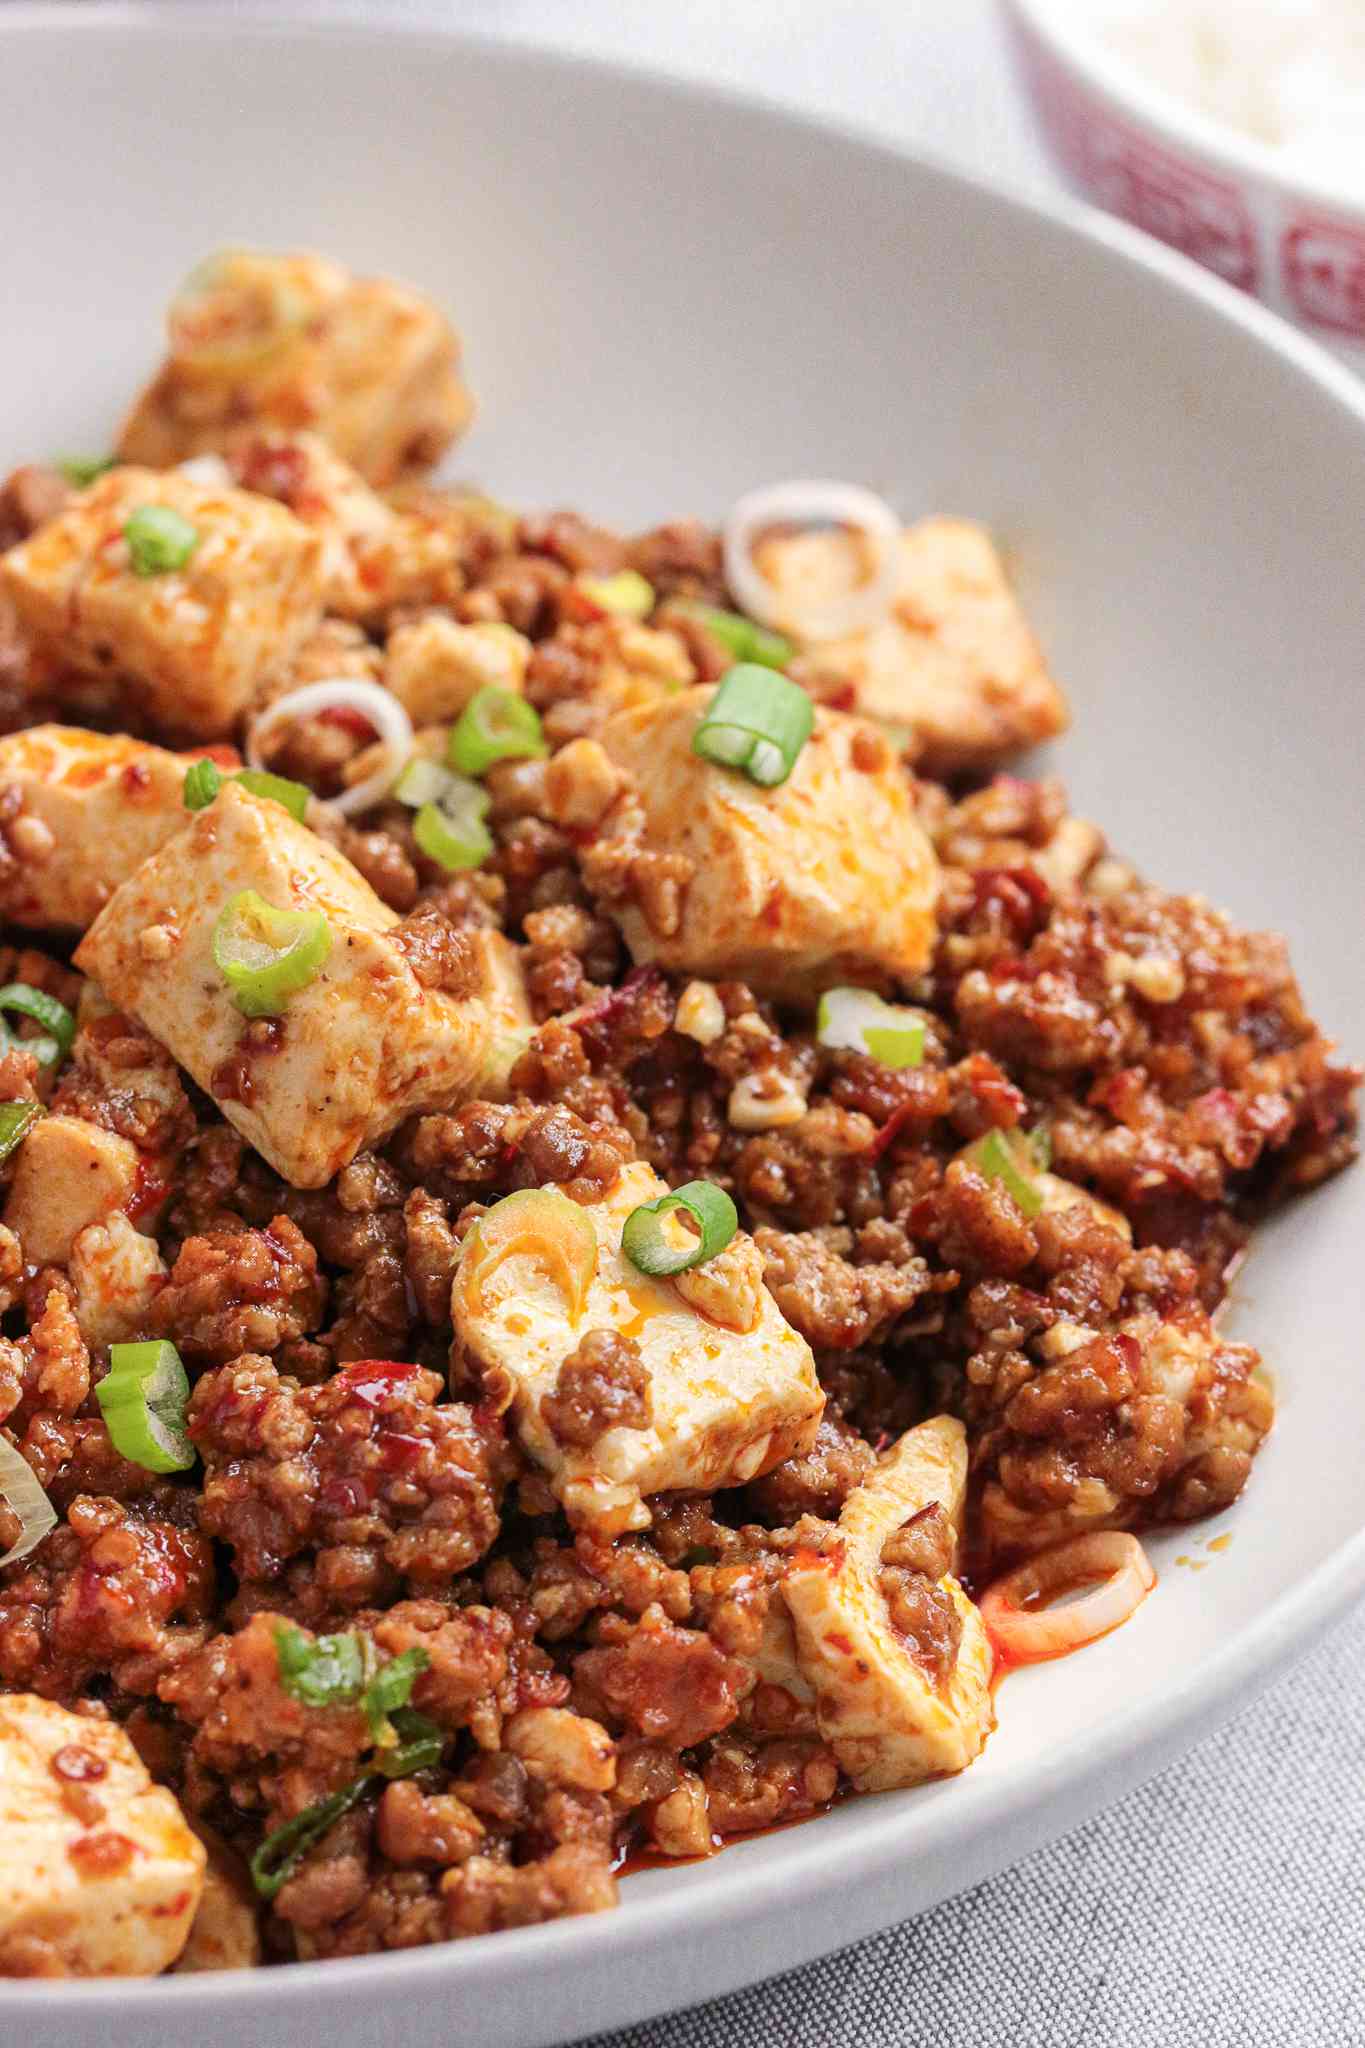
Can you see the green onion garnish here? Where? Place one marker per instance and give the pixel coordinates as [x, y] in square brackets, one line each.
[997, 1155]
[654, 1249]
[327, 1671]
[204, 779]
[143, 1399]
[267, 955]
[57, 1021]
[1040, 1145]
[449, 826]
[742, 637]
[757, 721]
[423, 781]
[281, 1852]
[81, 470]
[16, 1121]
[159, 540]
[856, 1020]
[390, 1689]
[495, 725]
[418, 1746]
[627, 593]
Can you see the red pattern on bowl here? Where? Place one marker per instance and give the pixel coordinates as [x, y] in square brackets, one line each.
[1230, 208]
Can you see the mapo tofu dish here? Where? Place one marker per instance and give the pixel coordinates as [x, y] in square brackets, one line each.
[601, 1208]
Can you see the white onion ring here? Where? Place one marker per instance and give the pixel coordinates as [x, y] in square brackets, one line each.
[19, 1489]
[1028, 1635]
[377, 705]
[811, 502]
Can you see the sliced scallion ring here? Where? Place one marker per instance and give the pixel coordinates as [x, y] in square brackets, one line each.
[143, 1398]
[495, 725]
[267, 955]
[653, 1248]
[423, 781]
[58, 1024]
[377, 706]
[813, 503]
[389, 1690]
[322, 1671]
[204, 779]
[452, 832]
[160, 540]
[16, 1121]
[742, 637]
[21, 1493]
[856, 1020]
[627, 593]
[757, 721]
[1006, 1156]
[80, 471]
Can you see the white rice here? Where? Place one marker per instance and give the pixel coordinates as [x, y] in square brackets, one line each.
[1291, 73]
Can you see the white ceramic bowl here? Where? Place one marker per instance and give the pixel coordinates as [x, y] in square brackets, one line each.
[671, 295]
[1219, 196]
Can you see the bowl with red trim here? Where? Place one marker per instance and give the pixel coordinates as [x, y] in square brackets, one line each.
[671, 296]
[1291, 237]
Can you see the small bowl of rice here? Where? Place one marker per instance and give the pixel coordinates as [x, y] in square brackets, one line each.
[1232, 129]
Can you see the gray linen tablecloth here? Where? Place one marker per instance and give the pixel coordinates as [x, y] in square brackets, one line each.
[1223, 1905]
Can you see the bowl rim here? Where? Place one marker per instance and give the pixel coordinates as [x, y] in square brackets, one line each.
[1179, 126]
[1207, 1692]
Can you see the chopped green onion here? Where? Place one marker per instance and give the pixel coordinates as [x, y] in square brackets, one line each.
[328, 1671]
[997, 1156]
[495, 725]
[267, 955]
[856, 1020]
[281, 1852]
[16, 1121]
[418, 1746]
[757, 721]
[159, 539]
[1040, 1145]
[449, 826]
[627, 592]
[81, 470]
[204, 779]
[423, 781]
[742, 637]
[647, 1245]
[391, 1689]
[143, 1399]
[57, 1021]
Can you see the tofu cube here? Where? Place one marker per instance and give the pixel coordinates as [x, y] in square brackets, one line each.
[830, 877]
[886, 1721]
[435, 665]
[109, 1884]
[361, 1047]
[117, 1273]
[955, 670]
[295, 341]
[68, 1174]
[99, 803]
[189, 645]
[727, 1403]
[373, 556]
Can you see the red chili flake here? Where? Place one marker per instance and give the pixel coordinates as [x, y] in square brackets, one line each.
[892, 1128]
[222, 755]
[1020, 895]
[353, 721]
[81, 1766]
[135, 778]
[343, 1498]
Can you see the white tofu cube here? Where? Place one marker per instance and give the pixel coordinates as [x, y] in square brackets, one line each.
[362, 1046]
[955, 669]
[829, 877]
[103, 802]
[117, 1273]
[374, 557]
[887, 1723]
[727, 1403]
[295, 341]
[68, 1174]
[435, 665]
[188, 645]
[96, 1862]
